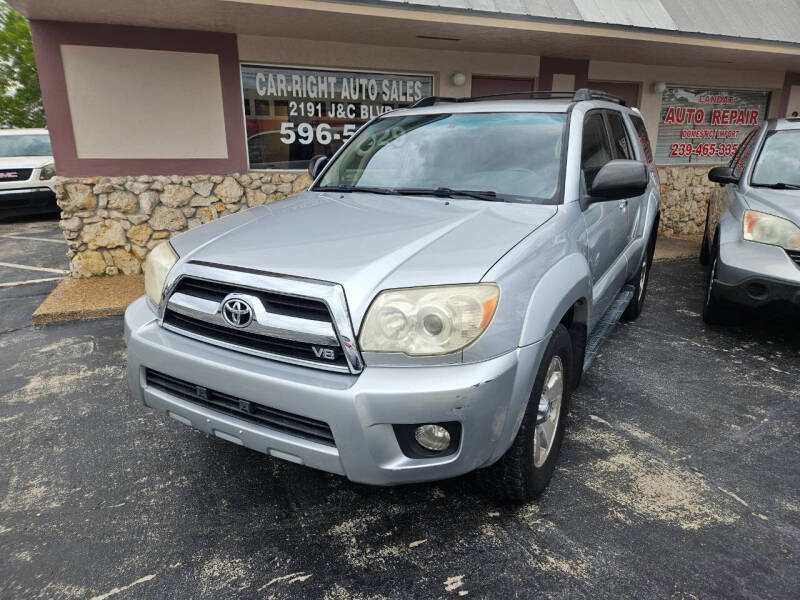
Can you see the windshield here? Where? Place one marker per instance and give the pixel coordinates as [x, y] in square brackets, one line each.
[25, 145]
[779, 161]
[516, 155]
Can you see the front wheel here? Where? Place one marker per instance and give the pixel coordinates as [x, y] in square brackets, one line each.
[527, 467]
[705, 253]
[714, 311]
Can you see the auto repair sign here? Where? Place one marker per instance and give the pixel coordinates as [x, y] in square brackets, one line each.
[706, 126]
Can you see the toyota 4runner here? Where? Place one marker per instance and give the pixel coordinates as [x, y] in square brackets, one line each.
[426, 307]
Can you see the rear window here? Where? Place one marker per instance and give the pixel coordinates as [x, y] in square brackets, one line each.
[641, 131]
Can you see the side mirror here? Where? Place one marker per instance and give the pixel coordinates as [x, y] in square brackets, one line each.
[722, 175]
[316, 164]
[619, 179]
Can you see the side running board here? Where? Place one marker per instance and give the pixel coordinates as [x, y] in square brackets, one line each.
[606, 325]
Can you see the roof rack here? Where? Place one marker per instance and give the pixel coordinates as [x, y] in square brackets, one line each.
[587, 94]
[576, 96]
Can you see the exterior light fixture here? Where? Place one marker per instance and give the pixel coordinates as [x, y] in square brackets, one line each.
[659, 87]
[458, 79]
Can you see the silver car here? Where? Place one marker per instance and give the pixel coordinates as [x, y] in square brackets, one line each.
[425, 308]
[752, 236]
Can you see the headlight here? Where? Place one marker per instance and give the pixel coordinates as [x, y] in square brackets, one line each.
[429, 320]
[769, 229]
[156, 268]
[47, 172]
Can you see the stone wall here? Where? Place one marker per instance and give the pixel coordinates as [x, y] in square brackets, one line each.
[111, 223]
[685, 192]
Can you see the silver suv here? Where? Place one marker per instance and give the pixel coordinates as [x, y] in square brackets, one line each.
[752, 237]
[425, 308]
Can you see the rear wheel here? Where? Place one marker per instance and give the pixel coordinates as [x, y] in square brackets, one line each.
[526, 468]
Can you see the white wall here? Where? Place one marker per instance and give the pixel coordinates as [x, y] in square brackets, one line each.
[140, 104]
[441, 63]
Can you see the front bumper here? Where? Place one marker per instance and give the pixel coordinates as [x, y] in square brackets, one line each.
[27, 201]
[753, 275]
[486, 398]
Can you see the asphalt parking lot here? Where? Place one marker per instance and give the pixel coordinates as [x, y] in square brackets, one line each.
[32, 260]
[679, 479]
[31, 251]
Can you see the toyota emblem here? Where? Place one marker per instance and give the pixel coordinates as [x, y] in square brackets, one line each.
[237, 312]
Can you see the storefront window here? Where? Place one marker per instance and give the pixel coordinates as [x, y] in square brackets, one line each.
[292, 114]
[706, 126]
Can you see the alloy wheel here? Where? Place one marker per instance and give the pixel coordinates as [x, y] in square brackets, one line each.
[549, 411]
[643, 276]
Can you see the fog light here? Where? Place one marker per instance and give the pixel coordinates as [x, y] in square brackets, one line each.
[432, 437]
[757, 291]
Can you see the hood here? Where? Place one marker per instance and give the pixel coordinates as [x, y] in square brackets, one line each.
[367, 242]
[781, 203]
[25, 162]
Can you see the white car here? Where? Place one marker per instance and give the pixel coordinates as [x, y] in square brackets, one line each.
[27, 173]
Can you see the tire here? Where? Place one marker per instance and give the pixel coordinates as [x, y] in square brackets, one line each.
[705, 253]
[640, 281]
[714, 310]
[522, 475]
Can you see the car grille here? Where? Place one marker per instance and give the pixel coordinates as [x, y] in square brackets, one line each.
[284, 346]
[272, 418]
[294, 306]
[794, 255]
[15, 174]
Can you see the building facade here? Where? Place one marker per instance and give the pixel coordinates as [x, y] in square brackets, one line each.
[166, 117]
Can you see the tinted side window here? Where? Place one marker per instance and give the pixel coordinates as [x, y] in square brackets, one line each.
[743, 153]
[595, 150]
[644, 140]
[619, 136]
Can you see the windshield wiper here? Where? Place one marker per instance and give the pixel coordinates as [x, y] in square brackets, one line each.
[349, 188]
[780, 185]
[444, 192]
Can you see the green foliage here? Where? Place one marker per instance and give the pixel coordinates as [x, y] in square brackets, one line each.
[20, 97]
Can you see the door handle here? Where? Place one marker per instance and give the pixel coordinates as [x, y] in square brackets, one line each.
[623, 204]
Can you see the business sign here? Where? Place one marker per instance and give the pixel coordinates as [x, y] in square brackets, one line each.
[706, 126]
[292, 114]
